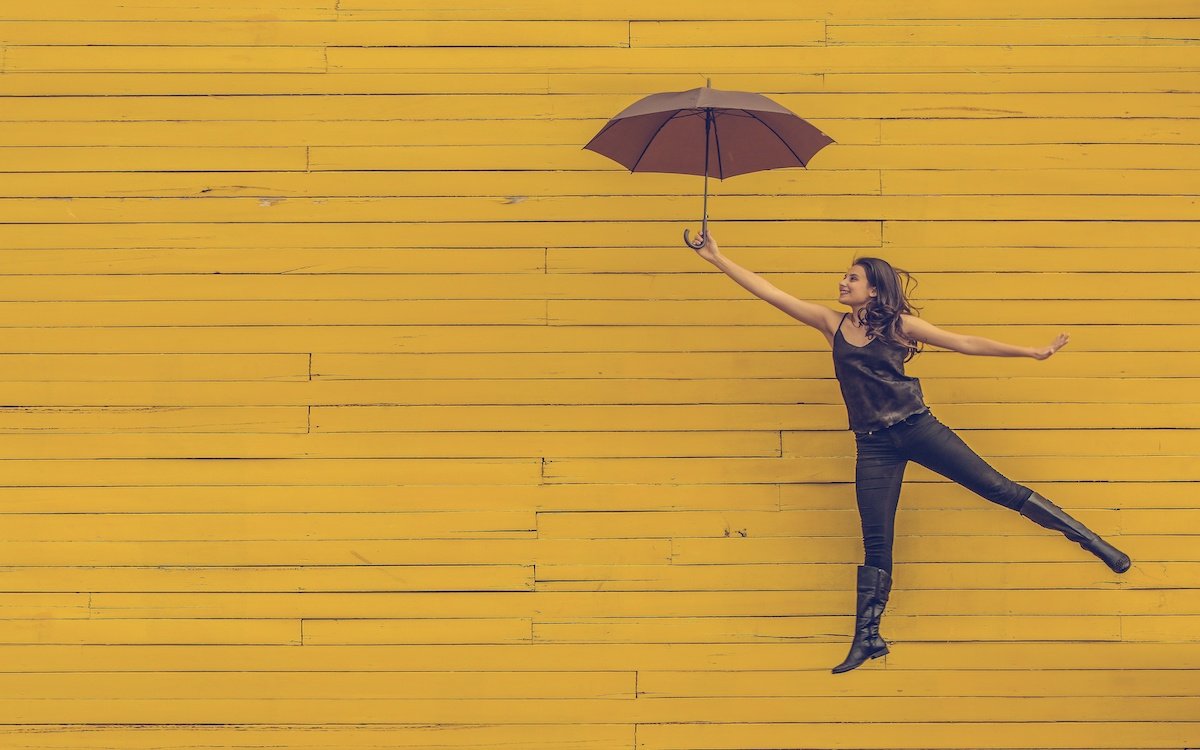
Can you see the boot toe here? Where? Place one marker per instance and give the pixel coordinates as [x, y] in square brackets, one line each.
[1121, 564]
[853, 661]
[1114, 558]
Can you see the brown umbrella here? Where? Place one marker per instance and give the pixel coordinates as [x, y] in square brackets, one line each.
[740, 131]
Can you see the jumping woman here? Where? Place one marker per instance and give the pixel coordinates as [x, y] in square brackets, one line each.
[892, 425]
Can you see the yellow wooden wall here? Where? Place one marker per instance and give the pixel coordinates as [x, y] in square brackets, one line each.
[349, 403]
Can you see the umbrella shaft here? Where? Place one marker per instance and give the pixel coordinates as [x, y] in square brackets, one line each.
[708, 114]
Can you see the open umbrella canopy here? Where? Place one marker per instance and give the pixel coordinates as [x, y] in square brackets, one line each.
[710, 132]
[746, 132]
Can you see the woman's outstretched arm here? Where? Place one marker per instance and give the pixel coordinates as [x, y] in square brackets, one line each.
[923, 330]
[822, 318]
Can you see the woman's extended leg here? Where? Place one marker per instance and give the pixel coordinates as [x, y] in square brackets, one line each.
[936, 447]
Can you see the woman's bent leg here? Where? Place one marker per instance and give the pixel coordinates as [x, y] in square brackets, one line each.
[878, 474]
[878, 477]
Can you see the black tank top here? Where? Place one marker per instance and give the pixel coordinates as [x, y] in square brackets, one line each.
[877, 392]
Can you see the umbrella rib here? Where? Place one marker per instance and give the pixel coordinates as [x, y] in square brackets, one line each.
[603, 130]
[777, 135]
[651, 140]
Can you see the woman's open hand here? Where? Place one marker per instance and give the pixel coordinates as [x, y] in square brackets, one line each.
[1058, 343]
[709, 249]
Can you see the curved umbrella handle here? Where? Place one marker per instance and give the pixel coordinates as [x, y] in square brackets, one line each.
[699, 241]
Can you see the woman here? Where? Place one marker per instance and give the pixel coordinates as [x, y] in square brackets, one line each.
[892, 425]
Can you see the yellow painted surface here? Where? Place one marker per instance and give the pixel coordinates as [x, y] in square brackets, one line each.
[350, 403]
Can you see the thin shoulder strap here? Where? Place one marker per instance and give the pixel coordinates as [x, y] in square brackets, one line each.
[838, 330]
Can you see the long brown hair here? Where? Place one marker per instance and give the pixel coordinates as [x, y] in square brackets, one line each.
[881, 315]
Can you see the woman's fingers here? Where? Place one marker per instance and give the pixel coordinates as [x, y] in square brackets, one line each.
[1055, 345]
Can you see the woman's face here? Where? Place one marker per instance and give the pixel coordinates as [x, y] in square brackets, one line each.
[853, 290]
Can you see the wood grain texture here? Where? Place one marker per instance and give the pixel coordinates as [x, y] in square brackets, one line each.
[351, 403]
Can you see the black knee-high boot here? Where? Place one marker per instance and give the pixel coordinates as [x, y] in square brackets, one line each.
[874, 586]
[1045, 513]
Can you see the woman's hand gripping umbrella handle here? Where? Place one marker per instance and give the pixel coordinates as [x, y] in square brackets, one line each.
[707, 248]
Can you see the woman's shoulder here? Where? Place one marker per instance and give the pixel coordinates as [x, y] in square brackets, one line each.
[911, 326]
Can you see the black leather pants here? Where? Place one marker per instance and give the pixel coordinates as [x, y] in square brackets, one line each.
[883, 456]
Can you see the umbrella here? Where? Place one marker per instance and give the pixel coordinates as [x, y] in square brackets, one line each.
[741, 132]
